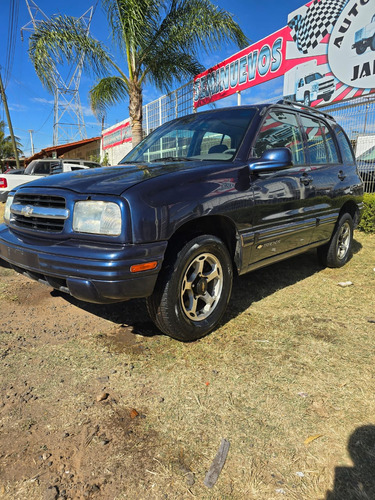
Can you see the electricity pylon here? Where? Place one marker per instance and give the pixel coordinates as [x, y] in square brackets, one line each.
[68, 123]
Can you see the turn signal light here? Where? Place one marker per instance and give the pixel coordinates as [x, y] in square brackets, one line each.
[3, 182]
[147, 266]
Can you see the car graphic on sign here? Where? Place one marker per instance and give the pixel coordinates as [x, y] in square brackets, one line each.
[365, 37]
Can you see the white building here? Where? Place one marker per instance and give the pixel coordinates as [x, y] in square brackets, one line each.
[116, 142]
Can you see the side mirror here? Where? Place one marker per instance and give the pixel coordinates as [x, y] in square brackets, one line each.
[272, 159]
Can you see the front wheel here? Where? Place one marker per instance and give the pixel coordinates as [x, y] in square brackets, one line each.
[338, 251]
[373, 43]
[193, 289]
[307, 100]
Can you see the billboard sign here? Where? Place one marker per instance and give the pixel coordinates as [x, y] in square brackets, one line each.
[326, 54]
[256, 64]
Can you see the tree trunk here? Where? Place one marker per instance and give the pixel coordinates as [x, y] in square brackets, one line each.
[135, 113]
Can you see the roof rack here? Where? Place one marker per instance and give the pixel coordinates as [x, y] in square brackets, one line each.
[305, 108]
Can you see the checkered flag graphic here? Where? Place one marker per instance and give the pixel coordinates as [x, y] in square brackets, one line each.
[308, 30]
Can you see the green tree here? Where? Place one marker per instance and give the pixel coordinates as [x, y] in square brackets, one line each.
[157, 42]
[6, 146]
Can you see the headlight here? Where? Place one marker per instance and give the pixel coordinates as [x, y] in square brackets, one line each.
[97, 217]
[7, 209]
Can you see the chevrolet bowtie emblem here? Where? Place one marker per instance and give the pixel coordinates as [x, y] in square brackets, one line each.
[27, 211]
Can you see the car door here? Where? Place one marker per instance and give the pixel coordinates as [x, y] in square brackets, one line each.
[282, 221]
[326, 172]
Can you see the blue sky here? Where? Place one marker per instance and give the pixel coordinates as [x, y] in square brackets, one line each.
[31, 106]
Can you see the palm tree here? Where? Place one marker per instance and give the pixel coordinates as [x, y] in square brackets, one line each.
[158, 41]
[6, 145]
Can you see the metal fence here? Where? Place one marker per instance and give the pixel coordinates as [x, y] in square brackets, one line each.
[167, 107]
[356, 116]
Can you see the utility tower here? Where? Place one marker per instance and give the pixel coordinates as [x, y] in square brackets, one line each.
[68, 123]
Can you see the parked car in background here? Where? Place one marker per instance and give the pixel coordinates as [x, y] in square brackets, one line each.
[16, 171]
[366, 169]
[202, 198]
[40, 168]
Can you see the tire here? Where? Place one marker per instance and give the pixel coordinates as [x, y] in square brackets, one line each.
[327, 97]
[306, 99]
[372, 45]
[338, 251]
[361, 48]
[193, 289]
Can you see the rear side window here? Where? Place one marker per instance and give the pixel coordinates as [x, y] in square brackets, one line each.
[320, 143]
[346, 149]
[280, 130]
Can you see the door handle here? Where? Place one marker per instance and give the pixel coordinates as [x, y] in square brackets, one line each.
[341, 175]
[306, 180]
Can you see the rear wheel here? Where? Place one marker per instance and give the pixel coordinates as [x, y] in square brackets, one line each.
[193, 289]
[338, 251]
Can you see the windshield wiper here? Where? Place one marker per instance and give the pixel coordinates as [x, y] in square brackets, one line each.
[130, 162]
[172, 158]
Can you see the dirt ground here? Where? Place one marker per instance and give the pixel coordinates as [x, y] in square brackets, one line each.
[95, 403]
[43, 449]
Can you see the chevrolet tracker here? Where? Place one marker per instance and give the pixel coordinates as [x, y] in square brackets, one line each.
[202, 198]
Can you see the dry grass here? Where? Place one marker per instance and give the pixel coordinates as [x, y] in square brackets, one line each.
[292, 360]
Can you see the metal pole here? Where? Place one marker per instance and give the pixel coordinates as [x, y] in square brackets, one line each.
[31, 141]
[367, 108]
[3, 96]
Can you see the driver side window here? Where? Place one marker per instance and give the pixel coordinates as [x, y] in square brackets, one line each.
[280, 130]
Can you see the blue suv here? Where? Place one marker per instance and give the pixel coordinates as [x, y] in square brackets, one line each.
[202, 198]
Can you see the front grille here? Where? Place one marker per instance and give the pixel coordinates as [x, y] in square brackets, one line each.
[326, 85]
[39, 212]
[40, 200]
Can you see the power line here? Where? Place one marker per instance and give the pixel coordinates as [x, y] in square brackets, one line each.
[11, 41]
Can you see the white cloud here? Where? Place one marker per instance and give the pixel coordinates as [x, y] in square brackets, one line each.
[18, 107]
[86, 110]
[42, 100]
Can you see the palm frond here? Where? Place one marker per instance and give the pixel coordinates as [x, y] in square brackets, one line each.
[131, 21]
[170, 67]
[64, 38]
[195, 26]
[108, 91]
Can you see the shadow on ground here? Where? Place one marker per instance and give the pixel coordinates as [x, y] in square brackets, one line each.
[247, 289]
[358, 481]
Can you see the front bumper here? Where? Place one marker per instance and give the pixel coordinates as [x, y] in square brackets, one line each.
[90, 273]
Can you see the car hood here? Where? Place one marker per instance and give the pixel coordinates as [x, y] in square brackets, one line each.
[110, 180]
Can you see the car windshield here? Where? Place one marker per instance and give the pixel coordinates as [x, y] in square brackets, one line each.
[203, 136]
[313, 77]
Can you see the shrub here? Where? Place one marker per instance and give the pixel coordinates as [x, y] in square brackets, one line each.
[367, 223]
